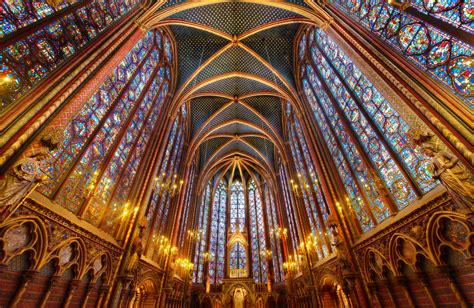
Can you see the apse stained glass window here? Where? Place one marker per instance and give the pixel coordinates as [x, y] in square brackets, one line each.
[369, 132]
[237, 207]
[257, 233]
[218, 234]
[238, 257]
[445, 57]
[203, 227]
[105, 142]
[30, 58]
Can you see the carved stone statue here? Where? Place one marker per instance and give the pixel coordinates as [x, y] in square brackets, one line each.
[27, 172]
[136, 250]
[447, 168]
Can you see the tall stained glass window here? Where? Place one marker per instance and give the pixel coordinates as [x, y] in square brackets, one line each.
[307, 184]
[167, 179]
[288, 206]
[271, 212]
[184, 222]
[257, 233]
[203, 224]
[218, 234]
[366, 136]
[237, 207]
[238, 257]
[57, 34]
[442, 55]
[93, 171]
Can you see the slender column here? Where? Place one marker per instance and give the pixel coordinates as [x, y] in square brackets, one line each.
[386, 283]
[49, 288]
[247, 225]
[25, 280]
[70, 293]
[374, 291]
[103, 293]
[85, 298]
[447, 273]
[422, 277]
[402, 281]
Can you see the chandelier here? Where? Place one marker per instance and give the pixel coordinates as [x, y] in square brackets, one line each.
[194, 235]
[168, 185]
[305, 184]
[279, 232]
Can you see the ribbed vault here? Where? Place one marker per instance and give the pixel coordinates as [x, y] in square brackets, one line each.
[235, 72]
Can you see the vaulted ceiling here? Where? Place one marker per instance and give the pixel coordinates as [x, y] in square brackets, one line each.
[235, 69]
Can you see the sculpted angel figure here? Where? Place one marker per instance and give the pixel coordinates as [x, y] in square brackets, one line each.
[26, 173]
[447, 168]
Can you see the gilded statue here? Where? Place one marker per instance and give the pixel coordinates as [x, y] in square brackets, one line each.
[27, 172]
[446, 168]
[136, 249]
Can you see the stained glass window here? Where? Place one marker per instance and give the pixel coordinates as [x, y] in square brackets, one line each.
[364, 133]
[272, 219]
[218, 234]
[238, 257]
[203, 226]
[184, 221]
[105, 142]
[237, 207]
[166, 181]
[257, 233]
[307, 184]
[288, 206]
[32, 57]
[444, 57]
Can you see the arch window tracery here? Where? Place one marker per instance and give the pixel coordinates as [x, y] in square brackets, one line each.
[364, 133]
[443, 56]
[56, 36]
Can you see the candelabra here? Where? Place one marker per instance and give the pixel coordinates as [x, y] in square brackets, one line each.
[207, 256]
[304, 184]
[291, 265]
[9, 82]
[279, 232]
[194, 235]
[168, 185]
[266, 253]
